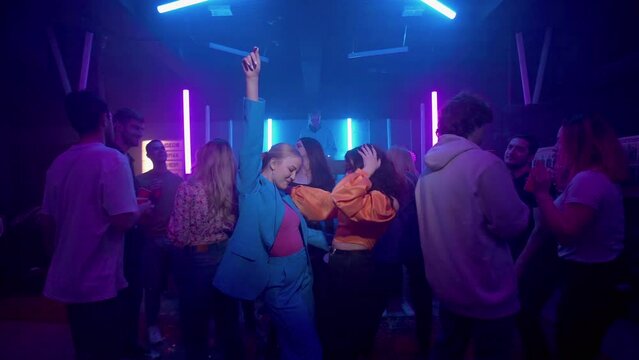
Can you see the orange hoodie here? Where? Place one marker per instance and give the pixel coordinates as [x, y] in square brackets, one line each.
[362, 215]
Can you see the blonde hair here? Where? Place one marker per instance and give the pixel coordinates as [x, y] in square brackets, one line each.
[586, 142]
[278, 152]
[216, 169]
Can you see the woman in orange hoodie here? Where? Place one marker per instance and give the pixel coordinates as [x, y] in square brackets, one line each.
[364, 202]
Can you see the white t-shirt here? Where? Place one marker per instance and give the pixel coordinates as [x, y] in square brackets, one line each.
[324, 136]
[602, 239]
[85, 185]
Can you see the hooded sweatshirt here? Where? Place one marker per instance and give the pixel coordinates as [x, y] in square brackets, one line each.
[468, 208]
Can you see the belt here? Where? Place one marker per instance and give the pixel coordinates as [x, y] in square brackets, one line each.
[353, 252]
[206, 247]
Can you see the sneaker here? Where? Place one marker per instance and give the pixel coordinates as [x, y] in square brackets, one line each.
[155, 336]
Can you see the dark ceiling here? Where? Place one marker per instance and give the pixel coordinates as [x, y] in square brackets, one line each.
[594, 43]
[141, 59]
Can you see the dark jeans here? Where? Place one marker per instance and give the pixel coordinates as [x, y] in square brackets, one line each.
[200, 301]
[357, 300]
[94, 329]
[421, 296]
[536, 286]
[586, 308]
[492, 339]
[130, 298]
[157, 265]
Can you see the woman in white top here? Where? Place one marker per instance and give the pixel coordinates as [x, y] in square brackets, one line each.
[587, 220]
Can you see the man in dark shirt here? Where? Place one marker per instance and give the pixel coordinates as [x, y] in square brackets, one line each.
[518, 157]
[537, 281]
[128, 128]
[160, 185]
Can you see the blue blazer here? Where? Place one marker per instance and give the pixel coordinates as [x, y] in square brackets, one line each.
[243, 271]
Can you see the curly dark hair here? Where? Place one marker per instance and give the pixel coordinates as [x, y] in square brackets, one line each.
[321, 176]
[463, 114]
[386, 179]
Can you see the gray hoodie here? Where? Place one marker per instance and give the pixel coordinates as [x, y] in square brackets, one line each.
[468, 208]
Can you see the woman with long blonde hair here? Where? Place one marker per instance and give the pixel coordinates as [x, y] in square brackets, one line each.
[202, 222]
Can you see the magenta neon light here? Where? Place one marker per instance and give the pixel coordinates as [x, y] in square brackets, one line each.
[434, 117]
[186, 108]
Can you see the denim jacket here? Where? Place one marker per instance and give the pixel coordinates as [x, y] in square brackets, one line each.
[243, 271]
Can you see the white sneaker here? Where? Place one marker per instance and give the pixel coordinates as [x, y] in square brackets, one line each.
[155, 336]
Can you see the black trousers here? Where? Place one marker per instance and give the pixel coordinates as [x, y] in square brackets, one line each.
[94, 329]
[348, 327]
[586, 309]
[536, 286]
[130, 298]
[200, 302]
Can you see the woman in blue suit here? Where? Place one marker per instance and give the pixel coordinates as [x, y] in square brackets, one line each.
[267, 254]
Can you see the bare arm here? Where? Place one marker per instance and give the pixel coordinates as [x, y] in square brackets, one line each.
[123, 222]
[566, 223]
[252, 66]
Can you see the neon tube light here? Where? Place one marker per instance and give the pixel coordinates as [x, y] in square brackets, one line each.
[349, 133]
[234, 51]
[388, 133]
[269, 133]
[186, 108]
[174, 5]
[441, 8]
[378, 52]
[434, 117]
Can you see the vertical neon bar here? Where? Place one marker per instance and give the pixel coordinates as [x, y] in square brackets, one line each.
[269, 133]
[207, 123]
[231, 132]
[349, 133]
[435, 117]
[422, 133]
[86, 60]
[388, 133]
[186, 108]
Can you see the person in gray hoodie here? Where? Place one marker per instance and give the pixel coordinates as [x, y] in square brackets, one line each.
[468, 208]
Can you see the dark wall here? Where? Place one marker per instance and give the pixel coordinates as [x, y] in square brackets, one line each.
[593, 65]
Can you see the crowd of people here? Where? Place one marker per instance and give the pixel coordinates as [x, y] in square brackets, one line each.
[489, 239]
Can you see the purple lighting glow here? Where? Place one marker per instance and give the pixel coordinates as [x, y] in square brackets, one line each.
[434, 117]
[186, 108]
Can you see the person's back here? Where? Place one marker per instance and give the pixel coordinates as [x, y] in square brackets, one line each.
[467, 208]
[464, 227]
[87, 262]
[88, 204]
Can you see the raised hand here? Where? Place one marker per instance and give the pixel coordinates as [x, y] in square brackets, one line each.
[252, 65]
[371, 161]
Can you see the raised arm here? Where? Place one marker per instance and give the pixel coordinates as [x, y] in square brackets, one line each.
[352, 195]
[353, 198]
[315, 204]
[581, 200]
[250, 153]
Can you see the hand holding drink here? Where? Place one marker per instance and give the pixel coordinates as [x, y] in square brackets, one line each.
[144, 202]
[540, 179]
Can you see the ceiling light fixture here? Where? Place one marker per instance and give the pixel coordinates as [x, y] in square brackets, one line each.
[441, 8]
[234, 51]
[378, 52]
[174, 5]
